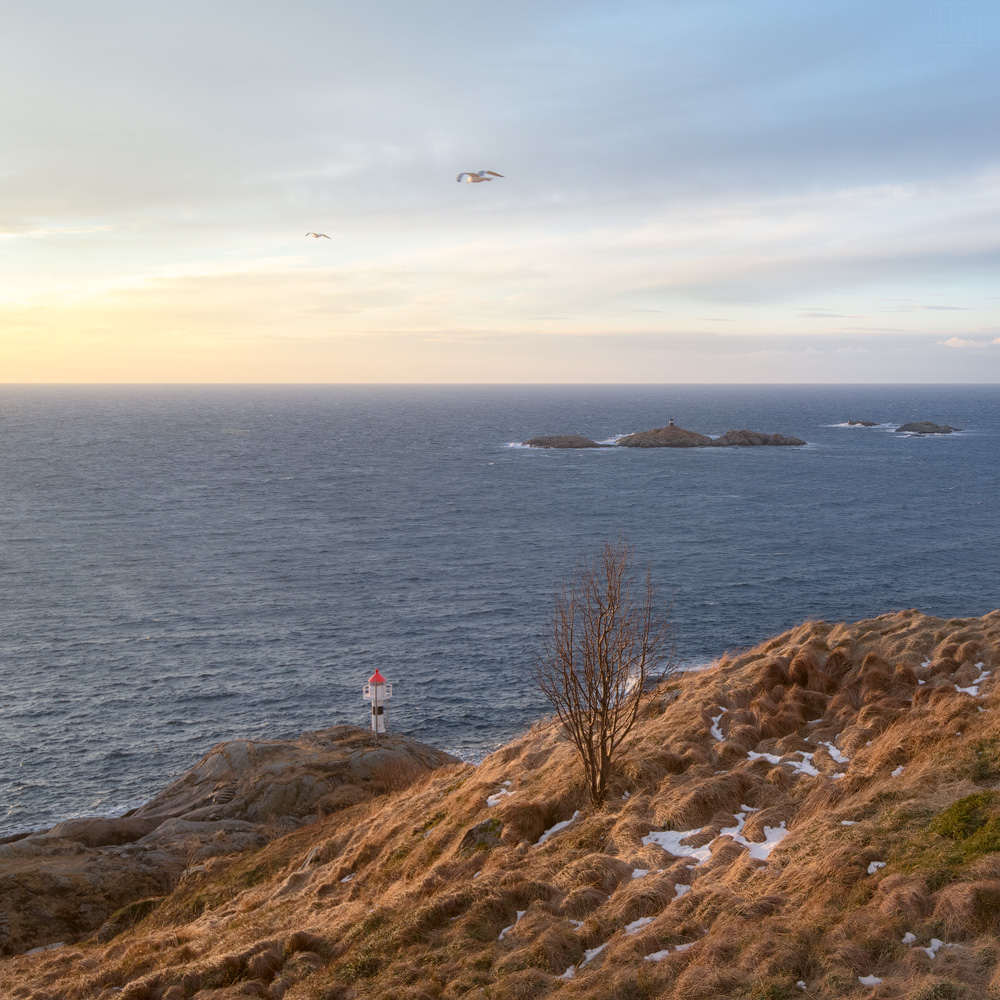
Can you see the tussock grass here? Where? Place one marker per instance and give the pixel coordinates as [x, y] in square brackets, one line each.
[435, 874]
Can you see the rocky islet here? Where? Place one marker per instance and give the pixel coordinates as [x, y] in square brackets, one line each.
[670, 436]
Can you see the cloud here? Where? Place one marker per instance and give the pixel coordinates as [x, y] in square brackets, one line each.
[961, 342]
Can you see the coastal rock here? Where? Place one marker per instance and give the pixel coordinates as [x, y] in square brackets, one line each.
[925, 427]
[746, 439]
[665, 437]
[861, 423]
[60, 884]
[562, 441]
[670, 436]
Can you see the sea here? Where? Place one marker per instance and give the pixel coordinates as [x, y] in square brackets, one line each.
[182, 565]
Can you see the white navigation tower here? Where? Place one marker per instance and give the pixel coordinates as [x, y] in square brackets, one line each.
[378, 692]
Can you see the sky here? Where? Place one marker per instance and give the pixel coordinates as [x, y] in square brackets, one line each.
[693, 191]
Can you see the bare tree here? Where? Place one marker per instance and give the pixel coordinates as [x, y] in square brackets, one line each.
[607, 638]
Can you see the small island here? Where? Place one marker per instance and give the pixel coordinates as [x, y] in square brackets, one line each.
[670, 436]
[926, 427]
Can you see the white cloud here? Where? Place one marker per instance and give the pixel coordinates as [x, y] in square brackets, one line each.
[961, 342]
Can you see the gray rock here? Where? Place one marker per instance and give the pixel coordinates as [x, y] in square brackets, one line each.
[746, 439]
[562, 441]
[61, 884]
[670, 436]
[925, 427]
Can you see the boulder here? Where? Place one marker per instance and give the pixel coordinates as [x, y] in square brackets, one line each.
[861, 423]
[562, 441]
[665, 437]
[926, 427]
[746, 439]
[63, 883]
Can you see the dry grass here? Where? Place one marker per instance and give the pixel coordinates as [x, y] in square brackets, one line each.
[406, 895]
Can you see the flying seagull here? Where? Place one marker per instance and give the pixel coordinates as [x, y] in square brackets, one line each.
[316, 236]
[478, 177]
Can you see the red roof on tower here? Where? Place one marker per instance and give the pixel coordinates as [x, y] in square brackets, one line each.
[376, 678]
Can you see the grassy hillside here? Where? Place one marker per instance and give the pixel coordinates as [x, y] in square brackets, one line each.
[817, 817]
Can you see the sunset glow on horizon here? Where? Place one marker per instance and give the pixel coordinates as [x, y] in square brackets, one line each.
[692, 192]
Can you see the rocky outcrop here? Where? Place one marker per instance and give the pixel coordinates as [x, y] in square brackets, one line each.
[563, 441]
[62, 883]
[926, 427]
[665, 437]
[670, 436]
[745, 439]
[861, 423]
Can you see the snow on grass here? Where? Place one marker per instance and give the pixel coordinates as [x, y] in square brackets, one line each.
[936, 944]
[899, 770]
[835, 753]
[495, 800]
[639, 872]
[680, 890]
[910, 939]
[973, 688]
[347, 878]
[672, 840]
[875, 866]
[716, 731]
[503, 933]
[637, 925]
[45, 947]
[569, 973]
[593, 953]
[555, 829]
[659, 956]
[804, 766]
[849, 822]
[869, 980]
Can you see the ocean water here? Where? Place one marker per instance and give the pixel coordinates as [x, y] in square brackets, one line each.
[182, 565]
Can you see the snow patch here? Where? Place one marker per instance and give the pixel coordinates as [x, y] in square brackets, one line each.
[899, 770]
[869, 980]
[503, 933]
[875, 866]
[347, 878]
[835, 753]
[637, 925]
[593, 953]
[936, 944]
[555, 829]
[973, 688]
[671, 840]
[716, 731]
[495, 800]
[680, 890]
[45, 947]
[639, 872]
[659, 956]
[804, 766]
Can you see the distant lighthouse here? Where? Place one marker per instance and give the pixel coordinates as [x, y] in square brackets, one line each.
[378, 692]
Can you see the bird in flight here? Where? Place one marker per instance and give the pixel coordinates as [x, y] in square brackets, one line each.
[316, 236]
[478, 177]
